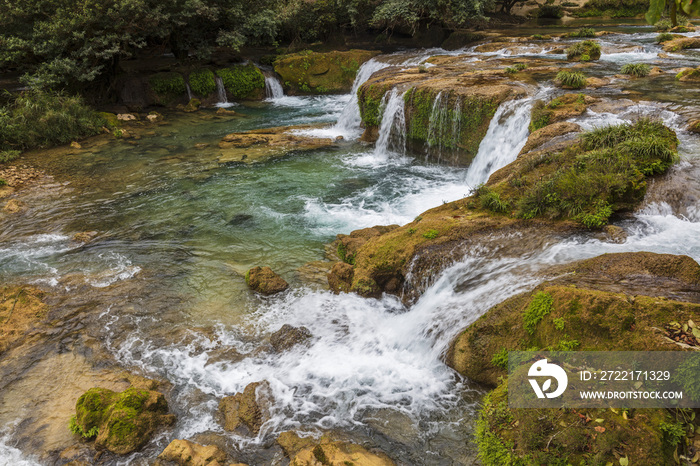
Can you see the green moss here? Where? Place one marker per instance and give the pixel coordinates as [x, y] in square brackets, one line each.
[431, 234]
[500, 359]
[168, 86]
[588, 48]
[539, 307]
[202, 82]
[559, 323]
[243, 81]
[8, 155]
[370, 101]
[91, 409]
[320, 455]
[687, 376]
[583, 32]
[664, 37]
[344, 256]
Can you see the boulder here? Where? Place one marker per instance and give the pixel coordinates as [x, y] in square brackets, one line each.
[326, 451]
[264, 281]
[559, 109]
[84, 236]
[192, 106]
[694, 126]
[689, 75]
[120, 422]
[248, 410]
[289, 336]
[186, 453]
[320, 73]
[681, 43]
[549, 132]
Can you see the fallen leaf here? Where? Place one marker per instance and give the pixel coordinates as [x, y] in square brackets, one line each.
[599, 420]
[624, 461]
[600, 429]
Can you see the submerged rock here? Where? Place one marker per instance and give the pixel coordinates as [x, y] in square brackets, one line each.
[326, 451]
[186, 453]
[264, 281]
[192, 106]
[681, 43]
[249, 410]
[320, 73]
[84, 236]
[614, 302]
[288, 336]
[120, 422]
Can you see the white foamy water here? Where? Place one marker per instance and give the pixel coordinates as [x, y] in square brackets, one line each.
[11, 456]
[273, 88]
[392, 130]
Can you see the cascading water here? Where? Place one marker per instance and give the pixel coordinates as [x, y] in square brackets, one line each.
[221, 93]
[392, 130]
[506, 136]
[189, 91]
[349, 121]
[273, 88]
[438, 127]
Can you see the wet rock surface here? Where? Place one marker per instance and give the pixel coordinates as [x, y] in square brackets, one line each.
[288, 336]
[248, 410]
[264, 281]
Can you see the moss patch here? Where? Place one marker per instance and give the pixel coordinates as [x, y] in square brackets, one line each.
[243, 82]
[167, 87]
[202, 82]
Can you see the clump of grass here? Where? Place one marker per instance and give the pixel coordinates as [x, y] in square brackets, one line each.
[664, 37]
[491, 200]
[572, 79]
[516, 67]
[638, 70]
[539, 307]
[431, 234]
[500, 359]
[663, 25]
[583, 32]
[585, 50]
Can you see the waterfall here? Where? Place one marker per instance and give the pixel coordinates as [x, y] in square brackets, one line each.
[221, 92]
[273, 88]
[392, 131]
[438, 128]
[350, 119]
[189, 91]
[506, 136]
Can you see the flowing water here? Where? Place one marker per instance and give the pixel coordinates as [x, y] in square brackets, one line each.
[273, 88]
[177, 231]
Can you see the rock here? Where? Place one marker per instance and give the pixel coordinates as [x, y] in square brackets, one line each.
[681, 43]
[561, 108]
[226, 112]
[292, 444]
[339, 453]
[615, 234]
[549, 132]
[154, 117]
[84, 236]
[19, 315]
[288, 336]
[126, 117]
[656, 71]
[689, 75]
[263, 144]
[192, 106]
[201, 145]
[76, 145]
[264, 281]
[13, 206]
[186, 453]
[120, 422]
[320, 73]
[595, 83]
[340, 278]
[250, 409]
[694, 126]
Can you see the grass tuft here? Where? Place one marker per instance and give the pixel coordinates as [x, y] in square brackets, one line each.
[638, 70]
[572, 79]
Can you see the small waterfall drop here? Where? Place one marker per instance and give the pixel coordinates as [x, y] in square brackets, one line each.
[221, 92]
[189, 91]
[273, 88]
[350, 119]
[506, 136]
[438, 128]
[392, 131]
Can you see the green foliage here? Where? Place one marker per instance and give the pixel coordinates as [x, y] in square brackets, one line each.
[2, 182]
[663, 25]
[202, 82]
[559, 323]
[676, 7]
[583, 33]
[636, 69]
[491, 200]
[687, 376]
[516, 67]
[343, 254]
[673, 432]
[612, 8]
[431, 234]
[587, 48]
[500, 359]
[539, 307]
[568, 345]
[573, 79]
[242, 80]
[540, 117]
[549, 10]
[168, 85]
[664, 37]
[41, 119]
[77, 429]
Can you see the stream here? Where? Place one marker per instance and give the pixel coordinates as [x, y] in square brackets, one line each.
[177, 231]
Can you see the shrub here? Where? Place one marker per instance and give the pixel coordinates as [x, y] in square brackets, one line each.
[168, 84]
[41, 119]
[491, 200]
[583, 32]
[663, 25]
[664, 37]
[612, 8]
[572, 79]
[242, 80]
[202, 82]
[673, 432]
[636, 69]
[588, 48]
[549, 11]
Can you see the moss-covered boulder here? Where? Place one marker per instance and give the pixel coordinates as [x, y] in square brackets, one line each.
[681, 43]
[543, 195]
[614, 302]
[120, 422]
[247, 411]
[243, 82]
[328, 451]
[559, 109]
[320, 73]
[694, 126]
[586, 50]
[689, 75]
[202, 82]
[265, 281]
[167, 88]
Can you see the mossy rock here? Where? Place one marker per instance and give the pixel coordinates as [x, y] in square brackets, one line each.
[168, 87]
[243, 82]
[320, 73]
[249, 409]
[265, 281]
[586, 50]
[689, 75]
[328, 451]
[120, 422]
[202, 82]
[111, 120]
[559, 109]
[614, 302]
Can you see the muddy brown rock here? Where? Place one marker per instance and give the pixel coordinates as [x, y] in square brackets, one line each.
[249, 410]
[289, 336]
[186, 453]
[264, 281]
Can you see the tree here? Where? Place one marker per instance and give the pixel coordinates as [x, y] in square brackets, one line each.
[657, 8]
